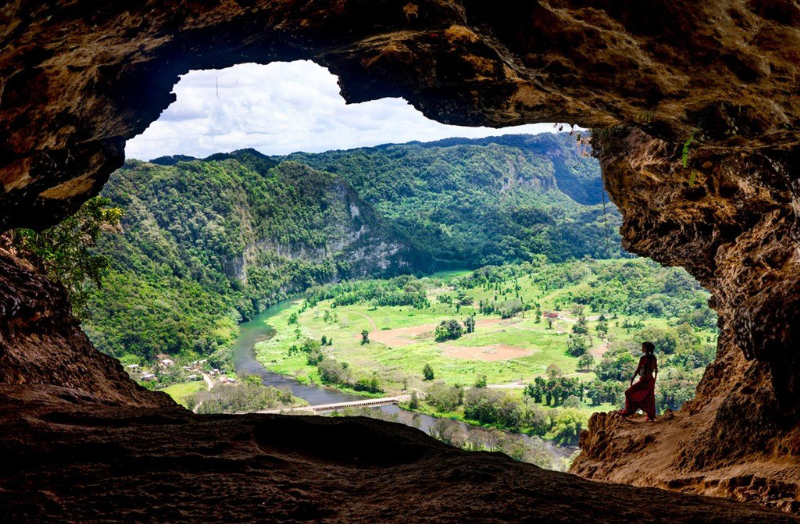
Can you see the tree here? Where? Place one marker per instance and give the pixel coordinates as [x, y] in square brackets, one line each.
[617, 364]
[536, 390]
[602, 329]
[481, 382]
[364, 337]
[666, 341]
[254, 380]
[567, 426]
[443, 397]
[414, 402]
[427, 372]
[333, 372]
[553, 371]
[576, 345]
[448, 330]
[65, 252]
[586, 362]
[581, 327]
[469, 324]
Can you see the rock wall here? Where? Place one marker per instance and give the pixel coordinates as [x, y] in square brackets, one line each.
[696, 103]
[728, 218]
[41, 343]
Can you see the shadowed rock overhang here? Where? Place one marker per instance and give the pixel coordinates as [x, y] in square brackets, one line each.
[695, 108]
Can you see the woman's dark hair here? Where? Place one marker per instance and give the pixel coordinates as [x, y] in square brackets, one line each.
[648, 347]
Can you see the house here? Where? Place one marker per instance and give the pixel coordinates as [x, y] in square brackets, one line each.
[133, 367]
[149, 377]
[167, 362]
[193, 377]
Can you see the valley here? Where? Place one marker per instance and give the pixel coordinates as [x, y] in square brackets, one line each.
[204, 244]
[481, 279]
[550, 341]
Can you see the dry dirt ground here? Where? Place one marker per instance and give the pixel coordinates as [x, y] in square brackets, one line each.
[400, 337]
[489, 353]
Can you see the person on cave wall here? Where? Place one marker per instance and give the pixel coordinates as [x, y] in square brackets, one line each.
[642, 394]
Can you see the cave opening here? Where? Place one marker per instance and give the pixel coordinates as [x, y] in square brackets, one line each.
[205, 254]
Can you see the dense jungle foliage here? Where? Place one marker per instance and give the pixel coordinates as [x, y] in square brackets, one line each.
[469, 203]
[207, 243]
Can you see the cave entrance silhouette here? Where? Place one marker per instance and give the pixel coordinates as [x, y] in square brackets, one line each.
[696, 135]
[283, 108]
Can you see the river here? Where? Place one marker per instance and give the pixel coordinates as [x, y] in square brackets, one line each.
[244, 360]
[258, 330]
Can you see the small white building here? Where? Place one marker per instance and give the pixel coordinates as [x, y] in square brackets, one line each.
[148, 377]
[167, 362]
[133, 367]
[193, 377]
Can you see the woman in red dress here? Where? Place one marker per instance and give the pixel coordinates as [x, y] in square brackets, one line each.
[642, 395]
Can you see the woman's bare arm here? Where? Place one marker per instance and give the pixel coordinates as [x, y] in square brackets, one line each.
[638, 369]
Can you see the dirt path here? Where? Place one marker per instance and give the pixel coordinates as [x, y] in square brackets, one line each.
[599, 351]
[372, 322]
[209, 385]
[513, 385]
[562, 316]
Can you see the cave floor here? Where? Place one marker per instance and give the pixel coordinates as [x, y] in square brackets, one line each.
[69, 459]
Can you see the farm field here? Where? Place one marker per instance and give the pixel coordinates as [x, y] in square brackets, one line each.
[510, 352]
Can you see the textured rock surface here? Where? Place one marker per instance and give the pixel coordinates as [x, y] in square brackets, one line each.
[81, 77]
[698, 101]
[172, 466]
[728, 218]
[42, 343]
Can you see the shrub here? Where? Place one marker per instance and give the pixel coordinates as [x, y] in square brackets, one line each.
[448, 330]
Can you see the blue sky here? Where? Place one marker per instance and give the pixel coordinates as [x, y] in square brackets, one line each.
[281, 108]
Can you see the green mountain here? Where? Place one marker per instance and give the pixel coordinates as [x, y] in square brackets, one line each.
[206, 243]
[469, 203]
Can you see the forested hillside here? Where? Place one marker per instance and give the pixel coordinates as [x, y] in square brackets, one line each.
[486, 201]
[208, 242]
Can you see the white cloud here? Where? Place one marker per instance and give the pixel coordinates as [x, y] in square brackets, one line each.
[281, 108]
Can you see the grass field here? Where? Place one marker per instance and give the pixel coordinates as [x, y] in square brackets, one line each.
[180, 393]
[509, 351]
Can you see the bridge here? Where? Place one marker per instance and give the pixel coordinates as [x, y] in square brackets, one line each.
[321, 408]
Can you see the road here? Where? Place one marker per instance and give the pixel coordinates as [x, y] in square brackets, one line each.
[366, 403]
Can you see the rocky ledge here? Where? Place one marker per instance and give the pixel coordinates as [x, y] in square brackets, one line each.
[70, 459]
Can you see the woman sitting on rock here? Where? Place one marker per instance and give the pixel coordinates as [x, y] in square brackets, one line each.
[642, 395]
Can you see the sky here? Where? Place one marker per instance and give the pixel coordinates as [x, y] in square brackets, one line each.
[282, 108]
